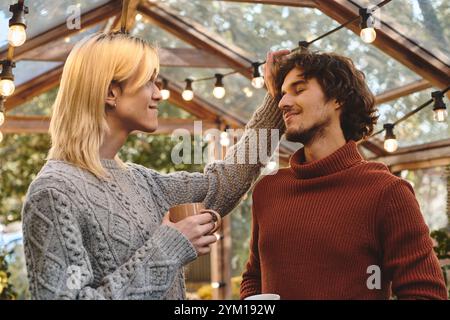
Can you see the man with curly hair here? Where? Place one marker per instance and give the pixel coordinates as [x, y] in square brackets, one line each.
[333, 225]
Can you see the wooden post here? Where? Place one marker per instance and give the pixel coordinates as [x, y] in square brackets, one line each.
[221, 250]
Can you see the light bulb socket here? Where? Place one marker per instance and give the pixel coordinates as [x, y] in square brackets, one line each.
[303, 44]
[19, 10]
[219, 80]
[438, 98]
[256, 73]
[188, 84]
[165, 84]
[366, 18]
[7, 66]
[2, 104]
[389, 127]
[218, 284]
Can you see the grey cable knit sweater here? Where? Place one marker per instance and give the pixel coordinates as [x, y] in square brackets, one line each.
[86, 238]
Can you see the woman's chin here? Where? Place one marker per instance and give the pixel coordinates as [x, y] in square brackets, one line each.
[151, 128]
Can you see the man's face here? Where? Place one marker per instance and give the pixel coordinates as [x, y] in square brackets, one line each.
[306, 111]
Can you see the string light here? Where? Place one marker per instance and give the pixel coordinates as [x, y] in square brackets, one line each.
[165, 92]
[1, 136]
[217, 285]
[368, 33]
[439, 108]
[17, 24]
[219, 90]
[2, 110]
[188, 93]
[258, 80]
[390, 141]
[271, 165]
[7, 86]
[224, 139]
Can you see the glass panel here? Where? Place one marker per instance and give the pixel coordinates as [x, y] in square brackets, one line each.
[418, 129]
[168, 110]
[273, 27]
[44, 14]
[241, 99]
[27, 70]
[74, 38]
[42, 104]
[426, 22]
[154, 34]
[430, 187]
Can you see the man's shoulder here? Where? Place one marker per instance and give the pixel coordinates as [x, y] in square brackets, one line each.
[271, 179]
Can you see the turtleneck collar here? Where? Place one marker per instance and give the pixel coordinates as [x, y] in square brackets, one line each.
[110, 163]
[345, 157]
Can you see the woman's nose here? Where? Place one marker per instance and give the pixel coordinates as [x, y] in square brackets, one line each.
[156, 94]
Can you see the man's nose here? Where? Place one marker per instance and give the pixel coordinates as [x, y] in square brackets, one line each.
[285, 103]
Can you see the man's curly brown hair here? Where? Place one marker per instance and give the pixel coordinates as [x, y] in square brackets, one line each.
[340, 80]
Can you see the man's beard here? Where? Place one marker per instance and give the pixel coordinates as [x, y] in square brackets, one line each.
[308, 136]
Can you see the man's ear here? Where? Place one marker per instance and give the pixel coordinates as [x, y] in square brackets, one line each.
[337, 105]
[113, 93]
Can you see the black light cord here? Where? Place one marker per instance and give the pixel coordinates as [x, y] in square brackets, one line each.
[412, 112]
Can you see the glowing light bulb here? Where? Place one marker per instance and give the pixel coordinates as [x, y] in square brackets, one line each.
[391, 145]
[7, 87]
[439, 109]
[271, 165]
[188, 95]
[2, 118]
[17, 35]
[1, 136]
[219, 92]
[440, 115]
[165, 94]
[258, 82]
[368, 35]
[224, 139]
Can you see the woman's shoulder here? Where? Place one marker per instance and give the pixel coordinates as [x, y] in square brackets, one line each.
[57, 175]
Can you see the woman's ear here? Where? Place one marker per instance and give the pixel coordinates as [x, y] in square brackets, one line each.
[113, 94]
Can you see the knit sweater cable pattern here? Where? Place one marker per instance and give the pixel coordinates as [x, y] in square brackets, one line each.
[87, 238]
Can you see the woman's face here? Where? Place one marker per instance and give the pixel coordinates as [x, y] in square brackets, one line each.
[134, 110]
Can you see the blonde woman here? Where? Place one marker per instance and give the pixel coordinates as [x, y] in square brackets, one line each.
[95, 227]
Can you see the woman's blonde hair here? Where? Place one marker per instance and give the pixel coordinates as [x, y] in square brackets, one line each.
[78, 122]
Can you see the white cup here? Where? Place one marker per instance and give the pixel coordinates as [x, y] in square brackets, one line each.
[264, 296]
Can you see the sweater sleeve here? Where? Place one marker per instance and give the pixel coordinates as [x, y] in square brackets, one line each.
[224, 182]
[59, 266]
[251, 278]
[408, 257]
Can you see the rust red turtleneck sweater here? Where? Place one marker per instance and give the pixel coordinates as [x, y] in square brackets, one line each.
[319, 226]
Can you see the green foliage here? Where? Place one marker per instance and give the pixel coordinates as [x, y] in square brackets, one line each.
[443, 243]
[7, 291]
[38, 106]
[21, 158]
